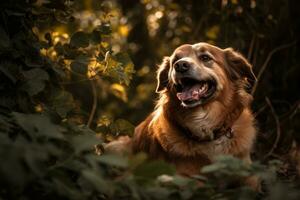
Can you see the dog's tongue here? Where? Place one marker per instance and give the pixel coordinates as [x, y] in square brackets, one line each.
[194, 92]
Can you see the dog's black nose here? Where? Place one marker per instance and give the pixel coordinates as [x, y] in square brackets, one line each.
[182, 66]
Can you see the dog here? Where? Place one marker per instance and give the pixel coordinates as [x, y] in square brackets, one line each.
[203, 110]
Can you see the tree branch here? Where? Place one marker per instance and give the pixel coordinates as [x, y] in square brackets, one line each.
[278, 129]
[250, 51]
[95, 102]
[265, 64]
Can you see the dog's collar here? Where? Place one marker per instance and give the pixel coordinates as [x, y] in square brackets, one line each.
[215, 135]
[225, 130]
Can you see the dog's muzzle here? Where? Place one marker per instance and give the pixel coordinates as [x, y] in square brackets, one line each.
[192, 92]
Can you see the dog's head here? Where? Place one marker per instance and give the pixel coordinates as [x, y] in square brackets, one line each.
[196, 74]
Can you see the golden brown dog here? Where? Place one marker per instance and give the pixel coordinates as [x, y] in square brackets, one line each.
[203, 109]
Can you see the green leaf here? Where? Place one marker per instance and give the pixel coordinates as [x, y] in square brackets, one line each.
[63, 103]
[59, 48]
[105, 29]
[80, 39]
[104, 120]
[181, 181]
[95, 37]
[66, 188]
[114, 160]
[122, 127]
[95, 180]
[213, 168]
[153, 169]
[212, 33]
[79, 67]
[128, 67]
[70, 52]
[35, 81]
[33, 157]
[120, 67]
[159, 193]
[84, 142]
[4, 40]
[74, 165]
[6, 69]
[119, 91]
[36, 74]
[80, 64]
[48, 37]
[137, 160]
[37, 125]
[33, 87]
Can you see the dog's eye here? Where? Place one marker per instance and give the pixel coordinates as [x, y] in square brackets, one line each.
[205, 58]
[176, 58]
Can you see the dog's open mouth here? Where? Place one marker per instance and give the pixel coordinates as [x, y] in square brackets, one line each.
[192, 92]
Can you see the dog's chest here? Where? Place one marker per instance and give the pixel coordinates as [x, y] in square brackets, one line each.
[201, 125]
[204, 155]
[218, 147]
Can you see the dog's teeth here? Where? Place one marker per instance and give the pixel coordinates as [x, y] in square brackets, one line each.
[180, 82]
[202, 88]
[195, 92]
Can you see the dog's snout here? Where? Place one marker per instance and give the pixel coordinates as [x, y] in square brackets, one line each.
[182, 66]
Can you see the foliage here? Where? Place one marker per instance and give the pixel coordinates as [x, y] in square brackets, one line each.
[68, 85]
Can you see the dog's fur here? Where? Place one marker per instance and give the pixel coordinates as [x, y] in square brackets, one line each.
[162, 134]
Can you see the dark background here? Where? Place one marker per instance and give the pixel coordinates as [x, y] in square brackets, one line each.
[265, 32]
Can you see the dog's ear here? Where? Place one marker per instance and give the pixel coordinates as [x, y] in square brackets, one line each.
[239, 67]
[163, 75]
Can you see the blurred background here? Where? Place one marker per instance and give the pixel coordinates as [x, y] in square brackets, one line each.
[89, 67]
[265, 32]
